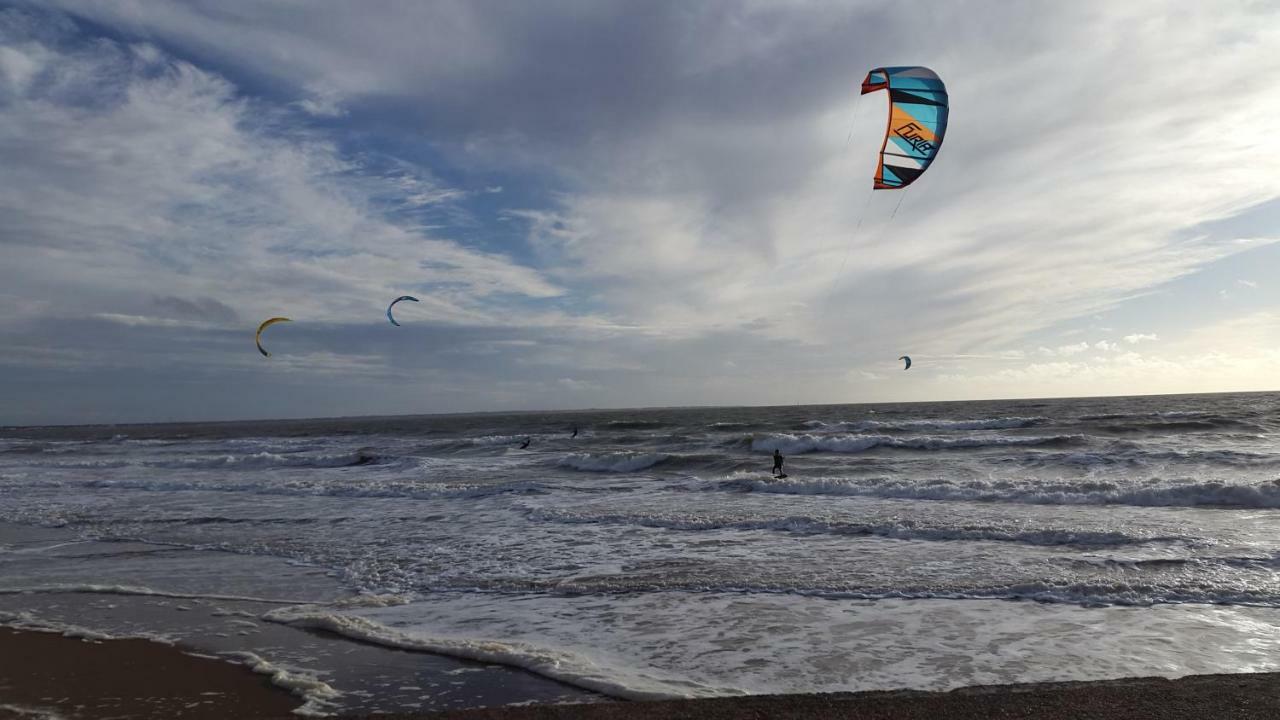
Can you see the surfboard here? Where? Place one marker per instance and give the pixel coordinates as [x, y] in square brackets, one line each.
[780, 477]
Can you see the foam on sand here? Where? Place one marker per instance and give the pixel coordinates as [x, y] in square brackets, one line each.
[320, 699]
[564, 666]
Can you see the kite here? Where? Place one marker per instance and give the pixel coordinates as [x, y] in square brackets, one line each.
[908, 359]
[917, 122]
[393, 304]
[266, 324]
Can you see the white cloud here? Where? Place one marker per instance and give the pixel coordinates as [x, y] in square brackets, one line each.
[176, 184]
[1247, 283]
[1136, 338]
[1106, 346]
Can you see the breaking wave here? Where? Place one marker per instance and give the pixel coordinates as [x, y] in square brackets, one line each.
[1002, 423]
[1192, 494]
[797, 444]
[896, 529]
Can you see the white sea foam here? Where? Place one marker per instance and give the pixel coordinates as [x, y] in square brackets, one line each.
[321, 699]
[556, 664]
[902, 529]
[1001, 423]
[366, 488]
[139, 590]
[1190, 494]
[23, 711]
[797, 444]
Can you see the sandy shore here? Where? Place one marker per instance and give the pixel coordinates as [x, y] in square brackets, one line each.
[44, 675]
[1202, 697]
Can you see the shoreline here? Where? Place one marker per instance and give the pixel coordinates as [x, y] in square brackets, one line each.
[1246, 696]
[49, 675]
[45, 674]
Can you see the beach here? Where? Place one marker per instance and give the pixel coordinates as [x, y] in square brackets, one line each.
[45, 675]
[429, 564]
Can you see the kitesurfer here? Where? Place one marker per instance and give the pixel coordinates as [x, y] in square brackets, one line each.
[525, 444]
[575, 432]
[777, 462]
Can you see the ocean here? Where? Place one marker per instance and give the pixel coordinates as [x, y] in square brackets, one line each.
[923, 545]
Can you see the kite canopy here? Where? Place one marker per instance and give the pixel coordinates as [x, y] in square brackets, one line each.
[393, 304]
[917, 122]
[266, 324]
[908, 365]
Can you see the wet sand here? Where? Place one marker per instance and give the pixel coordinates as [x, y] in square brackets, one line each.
[43, 673]
[1201, 697]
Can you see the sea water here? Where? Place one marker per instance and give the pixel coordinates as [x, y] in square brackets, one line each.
[654, 555]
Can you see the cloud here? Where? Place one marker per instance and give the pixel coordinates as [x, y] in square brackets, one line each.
[1247, 283]
[1068, 350]
[573, 385]
[128, 169]
[1136, 338]
[635, 195]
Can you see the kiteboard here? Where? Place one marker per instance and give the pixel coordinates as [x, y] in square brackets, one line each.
[780, 477]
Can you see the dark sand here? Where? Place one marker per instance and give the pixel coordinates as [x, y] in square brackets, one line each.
[44, 673]
[1201, 697]
[141, 679]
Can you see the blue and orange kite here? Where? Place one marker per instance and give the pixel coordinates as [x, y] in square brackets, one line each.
[917, 122]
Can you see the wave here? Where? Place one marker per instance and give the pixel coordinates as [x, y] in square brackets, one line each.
[635, 424]
[732, 425]
[1126, 592]
[1000, 423]
[1136, 458]
[1179, 426]
[562, 665]
[140, 591]
[1267, 563]
[896, 529]
[25, 449]
[317, 489]
[613, 462]
[263, 460]
[253, 461]
[1172, 421]
[797, 444]
[1197, 494]
[321, 698]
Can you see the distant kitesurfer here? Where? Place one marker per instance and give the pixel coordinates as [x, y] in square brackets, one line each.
[575, 432]
[525, 444]
[777, 462]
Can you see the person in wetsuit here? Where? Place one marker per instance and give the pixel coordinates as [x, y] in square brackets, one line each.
[525, 444]
[575, 432]
[777, 462]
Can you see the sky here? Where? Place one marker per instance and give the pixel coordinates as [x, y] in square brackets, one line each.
[608, 204]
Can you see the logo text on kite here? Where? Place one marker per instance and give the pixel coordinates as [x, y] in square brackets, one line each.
[911, 132]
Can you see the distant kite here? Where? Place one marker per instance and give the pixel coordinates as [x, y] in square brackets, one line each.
[908, 365]
[917, 121]
[266, 324]
[393, 304]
